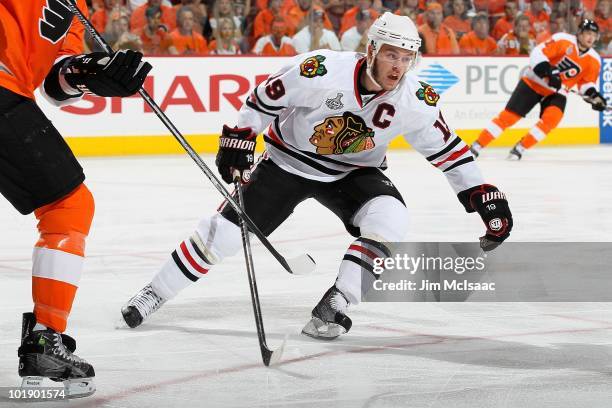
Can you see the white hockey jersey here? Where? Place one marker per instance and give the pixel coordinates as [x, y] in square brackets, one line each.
[317, 125]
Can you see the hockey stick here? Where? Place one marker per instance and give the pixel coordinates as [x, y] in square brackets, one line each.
[299, 265]
[587, 99]
[268, 356]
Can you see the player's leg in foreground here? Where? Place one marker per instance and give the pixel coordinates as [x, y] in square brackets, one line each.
[39, 173]
[374, 212]
[218, 237]
[552, 108]
[523, 99]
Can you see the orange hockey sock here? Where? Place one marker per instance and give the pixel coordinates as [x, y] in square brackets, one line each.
[503, 121]
[550, 119]
[58, 256]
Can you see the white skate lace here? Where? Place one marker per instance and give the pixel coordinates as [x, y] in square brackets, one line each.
[61, 350]
[146, 301]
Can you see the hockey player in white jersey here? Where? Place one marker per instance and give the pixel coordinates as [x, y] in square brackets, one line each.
[327, 119]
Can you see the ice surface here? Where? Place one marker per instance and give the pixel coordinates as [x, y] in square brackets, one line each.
[200, 349]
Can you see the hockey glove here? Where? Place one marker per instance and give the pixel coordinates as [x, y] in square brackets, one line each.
[492, 206]
[545, 71]
[121, 74]
[236, 152]
[596, 100]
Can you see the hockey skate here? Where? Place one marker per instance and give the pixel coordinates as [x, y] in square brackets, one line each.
[516, 153]
[141, 305]
[46, 354]
[328, 317]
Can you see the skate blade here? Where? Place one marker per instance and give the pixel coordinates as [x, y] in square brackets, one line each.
[79, 387]
[318, 329]
[46, 389]
[513, 157]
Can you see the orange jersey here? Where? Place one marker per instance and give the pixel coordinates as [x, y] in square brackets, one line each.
[264, 46]
[459, 26]
[442, 41]
[193, 44]
[472, 45]
[501, 27]
[510, 45]
[576, 69]
[33, 34]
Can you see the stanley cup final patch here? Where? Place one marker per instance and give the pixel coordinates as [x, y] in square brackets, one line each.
[335, 103]
[427, 94]
[313, 66]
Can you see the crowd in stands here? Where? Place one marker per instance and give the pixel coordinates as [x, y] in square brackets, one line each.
[289, 27]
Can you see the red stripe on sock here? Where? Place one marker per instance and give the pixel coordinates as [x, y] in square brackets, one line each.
[453, 156]
[192, 261]
[364, 251]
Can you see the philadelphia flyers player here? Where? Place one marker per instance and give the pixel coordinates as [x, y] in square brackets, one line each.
[327, 119]
[556, 66]
[42, 45]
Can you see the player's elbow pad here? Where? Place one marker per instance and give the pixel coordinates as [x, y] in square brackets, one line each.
[53, 83]
[543, 69]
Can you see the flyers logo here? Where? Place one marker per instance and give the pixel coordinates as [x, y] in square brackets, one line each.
[55, 21]
[568, 67]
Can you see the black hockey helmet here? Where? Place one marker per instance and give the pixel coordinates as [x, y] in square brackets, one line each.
[588, 25]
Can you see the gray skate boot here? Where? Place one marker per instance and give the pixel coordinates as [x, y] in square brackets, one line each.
[46, 354]
[516, 153]
[328, 317]
[141, 305]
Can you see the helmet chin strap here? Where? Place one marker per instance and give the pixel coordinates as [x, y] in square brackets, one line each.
[370, 66]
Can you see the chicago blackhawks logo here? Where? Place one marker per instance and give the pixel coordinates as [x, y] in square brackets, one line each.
[313, 66]
[55, 21]
[342, 134]
[427, 94]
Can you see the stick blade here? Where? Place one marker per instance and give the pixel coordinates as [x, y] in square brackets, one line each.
[302, 264]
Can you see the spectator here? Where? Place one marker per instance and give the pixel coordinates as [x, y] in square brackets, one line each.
[603, 20]
[519, 41]
[478, 41]
[275, 44]
[349, 19]
[314, 36]
[225, 9]
[263, 22]
[153, 34]
[459, 21]
[356, 38]
[199, 12]
[183, 40]
[99, 19]
[558, 24]
[225, 42]
[493, 8]
[335, 11]
[538, 17]
[134, 4]
[139, 20]
[439, 39]
[505, 24]
[296, 17]
[118, 34]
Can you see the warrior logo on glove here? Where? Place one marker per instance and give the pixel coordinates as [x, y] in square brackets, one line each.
[236, 153]
[492, 206]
